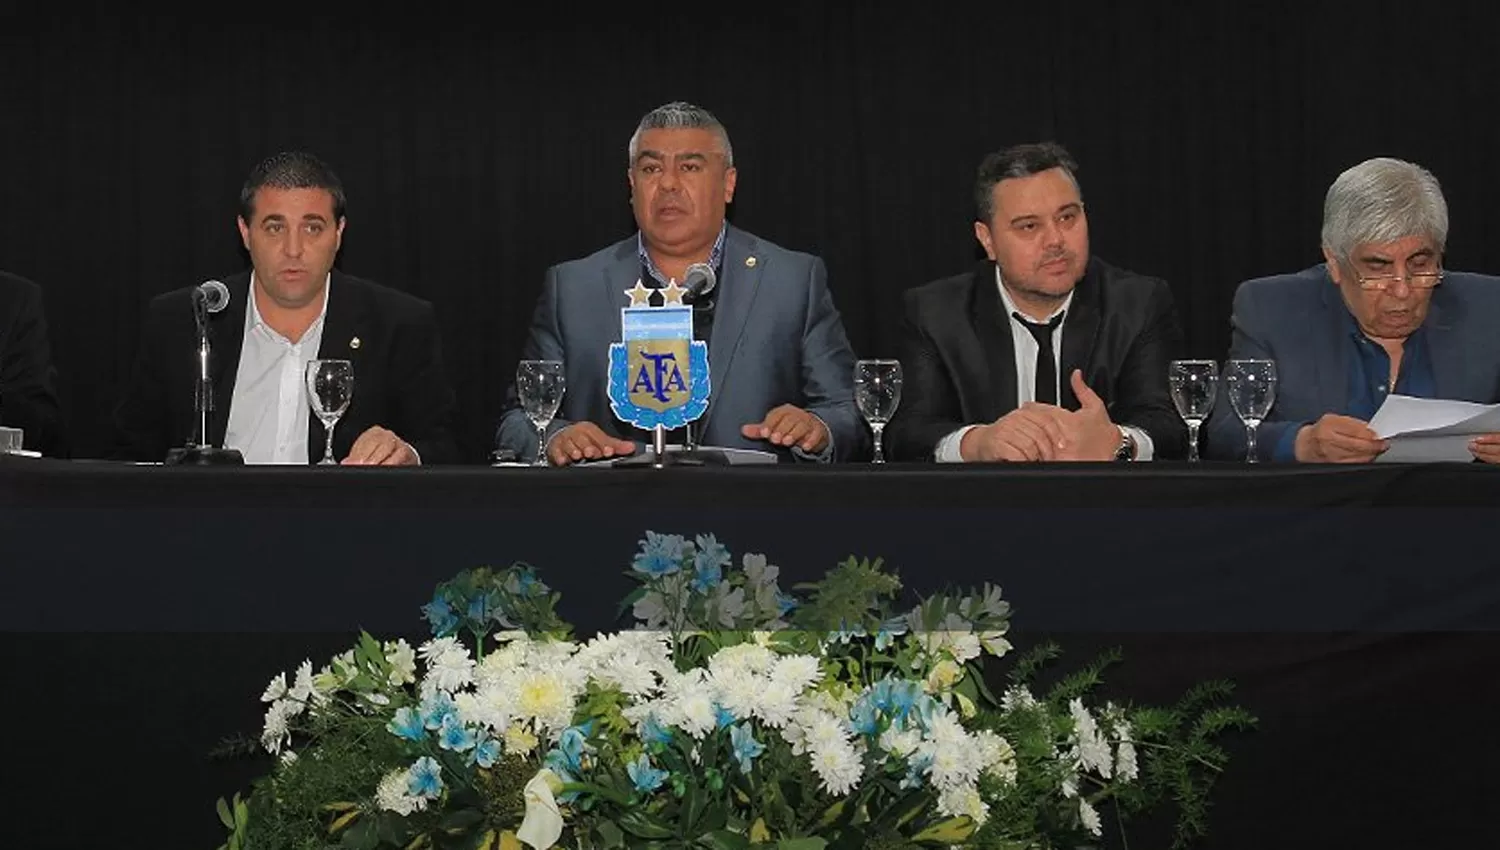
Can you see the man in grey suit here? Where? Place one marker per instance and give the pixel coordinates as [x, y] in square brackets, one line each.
[1381, 315]
[781, 369]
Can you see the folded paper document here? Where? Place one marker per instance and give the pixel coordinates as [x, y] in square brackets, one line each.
[1426, 429]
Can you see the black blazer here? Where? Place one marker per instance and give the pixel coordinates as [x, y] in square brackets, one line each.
[958, 357]
[28, 380]
[399, 381]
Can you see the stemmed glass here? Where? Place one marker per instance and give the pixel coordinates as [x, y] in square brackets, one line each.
[330, 387]
[1194, 384]
[877, 394]
[540, 384]
[1252, 391]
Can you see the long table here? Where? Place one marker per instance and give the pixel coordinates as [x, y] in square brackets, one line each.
[142, 609]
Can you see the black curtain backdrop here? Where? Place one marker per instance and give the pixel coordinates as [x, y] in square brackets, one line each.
[480, 146]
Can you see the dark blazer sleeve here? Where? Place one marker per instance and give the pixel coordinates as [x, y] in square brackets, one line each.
[828, 370]
[1251, 323]
[1144, 399]
[141, 429]
[930, 408]
[28, 380]
[423, 398]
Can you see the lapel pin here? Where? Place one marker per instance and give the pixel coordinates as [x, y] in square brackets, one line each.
[354, 343]
[749, 262]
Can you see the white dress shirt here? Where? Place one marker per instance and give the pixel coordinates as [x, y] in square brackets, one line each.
[1026, 348]
[268, 415]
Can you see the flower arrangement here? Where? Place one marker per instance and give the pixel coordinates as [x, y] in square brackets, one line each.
[735, 715]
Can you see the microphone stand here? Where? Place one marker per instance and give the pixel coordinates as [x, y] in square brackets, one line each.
[199, 451]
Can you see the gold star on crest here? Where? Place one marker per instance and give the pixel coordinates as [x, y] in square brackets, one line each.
[640, 296]
[672, 294]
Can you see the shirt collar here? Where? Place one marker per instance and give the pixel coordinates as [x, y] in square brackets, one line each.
[1010, 306]
[253, 314]
[715, 257]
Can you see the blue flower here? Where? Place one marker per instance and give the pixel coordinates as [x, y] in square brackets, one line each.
[889, 631]
[864, 718]
[653, 733]
[645, 777]
[709, 563]
[407, 724]
[424, 779]
[486, 752]
[522, 582]
[917, 765]
[722, 717]
[570, 754]
[660, 555]
[441, 616]
[746, 748]
[847, 632]
[435, 709]
[453, 736]
[784, 603]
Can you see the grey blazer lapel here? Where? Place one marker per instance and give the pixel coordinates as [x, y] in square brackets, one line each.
[739, 284]
[621, 274]
[1450, 368]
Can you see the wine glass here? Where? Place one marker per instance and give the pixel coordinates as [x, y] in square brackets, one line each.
[1194, 384]
[1252, 391]
[540, 384]
[877, 393]
[330, 387]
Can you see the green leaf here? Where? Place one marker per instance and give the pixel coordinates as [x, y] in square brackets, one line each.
[801, 844]
[898, 815]
[642, 826]
[635, 596]
[224, 815]
[609, 834]
[950, 831]
[723, 839]
[360, 836]
[456, 822]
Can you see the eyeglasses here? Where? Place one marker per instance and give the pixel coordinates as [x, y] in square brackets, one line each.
[1415, 280]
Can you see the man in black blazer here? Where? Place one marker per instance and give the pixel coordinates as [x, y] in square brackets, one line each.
[28, 394]
[292, 307]
[1042, 352]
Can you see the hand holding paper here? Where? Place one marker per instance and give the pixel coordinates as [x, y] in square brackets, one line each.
[1423, 430]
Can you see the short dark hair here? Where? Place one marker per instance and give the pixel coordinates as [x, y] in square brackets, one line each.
[291, 170]
[1018, 161]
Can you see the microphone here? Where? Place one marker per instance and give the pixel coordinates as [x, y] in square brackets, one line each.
[213, 295]
[698, 282]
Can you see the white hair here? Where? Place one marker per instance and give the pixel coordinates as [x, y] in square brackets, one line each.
[678, 115]
[1382, 200]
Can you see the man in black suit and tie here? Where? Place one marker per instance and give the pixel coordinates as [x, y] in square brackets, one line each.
[1042, 352]
[289, 308]
[28, 394]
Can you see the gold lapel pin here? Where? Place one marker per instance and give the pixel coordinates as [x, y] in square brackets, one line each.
[354, 343]
[749, 262]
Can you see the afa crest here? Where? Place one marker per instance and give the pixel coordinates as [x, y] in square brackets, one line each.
[659, 374]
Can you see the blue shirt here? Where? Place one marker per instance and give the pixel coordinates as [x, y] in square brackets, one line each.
[715, 257]
[1369, 378]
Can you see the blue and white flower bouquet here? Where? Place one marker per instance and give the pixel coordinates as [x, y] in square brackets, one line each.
[736, 714]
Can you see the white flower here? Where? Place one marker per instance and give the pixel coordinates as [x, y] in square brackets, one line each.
[953, 636]
[757, 570]
[403, 663]
[777, 704]
[652, 610]
[900, 742]
[449, 667]
[275, 690]
[796, 671]
[545, 697]
[1089, 817]
[302, 690]
[543, 822]
[728, 603]
[839, 767]
[391, 794]
[996, 756]
[276, 732]
[1016, 698]
[994, 643]
[1092, 750]
[963, 800]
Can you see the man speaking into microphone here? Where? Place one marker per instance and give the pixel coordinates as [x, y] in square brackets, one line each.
[781, 369]
[267, 323]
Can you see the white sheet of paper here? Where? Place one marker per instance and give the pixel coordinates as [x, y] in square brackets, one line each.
[1426, 429]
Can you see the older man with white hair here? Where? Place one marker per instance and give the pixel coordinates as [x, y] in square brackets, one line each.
[1381, 315]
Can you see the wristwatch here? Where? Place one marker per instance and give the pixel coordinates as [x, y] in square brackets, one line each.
[1126, 450]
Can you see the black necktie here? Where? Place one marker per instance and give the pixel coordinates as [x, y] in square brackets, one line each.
[1046, 363]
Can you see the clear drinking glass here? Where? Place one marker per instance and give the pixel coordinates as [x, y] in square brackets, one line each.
[540, 384]
[877, 393]
[1251, 385]
[330, 387]
[1194, 384]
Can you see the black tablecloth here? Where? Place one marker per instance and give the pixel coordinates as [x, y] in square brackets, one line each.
[142, 609]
